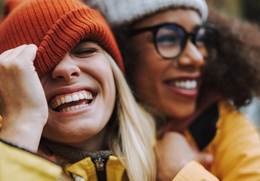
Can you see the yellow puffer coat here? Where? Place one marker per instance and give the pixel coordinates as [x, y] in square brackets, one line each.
[17, 164]
[20, 165]
[235, 146]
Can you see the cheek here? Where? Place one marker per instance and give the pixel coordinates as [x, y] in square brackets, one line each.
[146, 66]
[108, 86]
[110, 91]
[144, 57]
[145, 79]
[142, 47]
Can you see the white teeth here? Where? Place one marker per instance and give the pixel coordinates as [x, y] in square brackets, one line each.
[72, 108]
[59, 100]
[62, 101]
[89, 96]
[75, 97]
[189, 84]
[81, 96]
[68, 99]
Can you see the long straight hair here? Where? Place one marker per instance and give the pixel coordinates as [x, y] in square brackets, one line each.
[136, 132]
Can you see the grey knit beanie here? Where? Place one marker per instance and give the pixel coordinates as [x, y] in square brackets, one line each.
[119, 12]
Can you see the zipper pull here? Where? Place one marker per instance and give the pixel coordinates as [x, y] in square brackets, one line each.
[100, 163]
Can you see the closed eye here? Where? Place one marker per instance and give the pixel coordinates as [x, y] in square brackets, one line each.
[85, 49]
[82, 51]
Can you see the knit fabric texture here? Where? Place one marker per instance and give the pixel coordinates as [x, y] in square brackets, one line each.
[119, 12]
[55, 27]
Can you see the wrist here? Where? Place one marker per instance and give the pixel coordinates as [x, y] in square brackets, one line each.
[24, 134]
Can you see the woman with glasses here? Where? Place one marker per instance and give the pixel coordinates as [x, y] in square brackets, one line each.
[171, 61]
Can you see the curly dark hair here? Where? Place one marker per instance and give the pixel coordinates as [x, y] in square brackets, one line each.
[234, 71]
[233, 66]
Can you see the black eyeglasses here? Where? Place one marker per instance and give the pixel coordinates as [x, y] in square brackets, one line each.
[170, 38]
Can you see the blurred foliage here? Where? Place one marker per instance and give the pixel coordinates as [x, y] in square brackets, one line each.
[245, 9]
[1, 7]
[232, 7]
[251, 10]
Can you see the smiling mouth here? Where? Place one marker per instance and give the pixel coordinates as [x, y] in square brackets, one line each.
[71, 102]
[184, 84]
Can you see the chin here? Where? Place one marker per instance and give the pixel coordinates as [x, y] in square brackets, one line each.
[183, 113]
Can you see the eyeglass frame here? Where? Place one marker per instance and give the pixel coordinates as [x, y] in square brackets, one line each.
[154, 29]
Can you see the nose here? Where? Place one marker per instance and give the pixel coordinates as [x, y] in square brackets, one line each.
[191, 56]
[66, 69]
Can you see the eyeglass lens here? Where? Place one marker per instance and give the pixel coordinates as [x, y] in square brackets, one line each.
[171, 40]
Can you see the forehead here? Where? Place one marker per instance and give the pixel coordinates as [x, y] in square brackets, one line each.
[188, 18]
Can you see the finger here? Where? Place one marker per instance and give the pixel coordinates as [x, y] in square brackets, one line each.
[27, 55]
[11, 51]
[5, 54]
[28, 52]
[205, 159]
[12, 54]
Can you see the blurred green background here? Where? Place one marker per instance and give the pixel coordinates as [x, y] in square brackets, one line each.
[245, 9]
[1, 7]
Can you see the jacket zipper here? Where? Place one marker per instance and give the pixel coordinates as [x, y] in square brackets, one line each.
[100, 164]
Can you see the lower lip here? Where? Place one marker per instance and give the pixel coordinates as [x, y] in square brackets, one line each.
[184, 92]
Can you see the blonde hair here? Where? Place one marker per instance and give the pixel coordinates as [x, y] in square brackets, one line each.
[136, 138]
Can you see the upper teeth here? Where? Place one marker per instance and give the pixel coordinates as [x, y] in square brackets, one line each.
[76, 96]
[188, 84]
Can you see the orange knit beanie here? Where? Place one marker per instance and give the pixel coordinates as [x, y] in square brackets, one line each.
[55, 26]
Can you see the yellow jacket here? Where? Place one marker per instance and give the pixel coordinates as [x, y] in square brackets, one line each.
[20, 165]
[235, 147]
